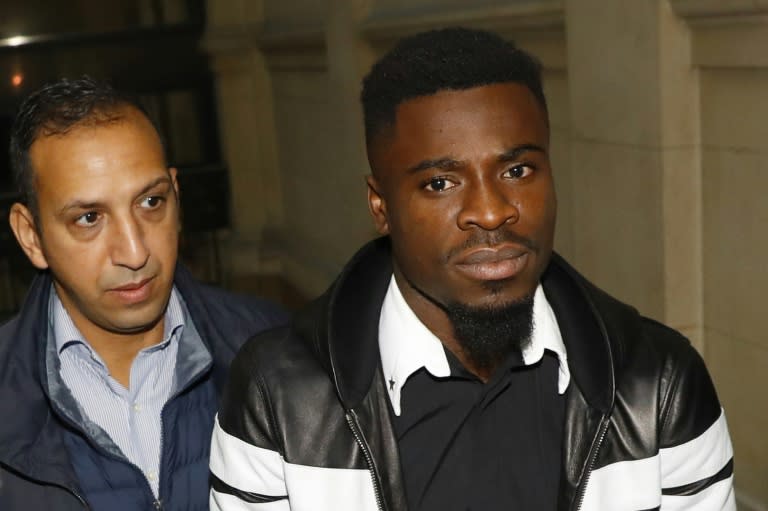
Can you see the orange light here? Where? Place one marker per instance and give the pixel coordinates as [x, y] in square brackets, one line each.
[17, 79]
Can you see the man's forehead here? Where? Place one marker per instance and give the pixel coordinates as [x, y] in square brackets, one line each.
[501, 115]
[513, 94]
[98, 160]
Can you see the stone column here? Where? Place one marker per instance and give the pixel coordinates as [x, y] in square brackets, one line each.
[636, 172]
[246, 127]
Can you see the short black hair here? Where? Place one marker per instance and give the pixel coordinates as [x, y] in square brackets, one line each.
[446, 59]
[55, 109]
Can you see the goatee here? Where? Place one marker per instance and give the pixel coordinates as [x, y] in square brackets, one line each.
[489, 334]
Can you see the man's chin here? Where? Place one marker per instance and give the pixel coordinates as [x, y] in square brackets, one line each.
[489, 332]
[131, 324]
[497, 298]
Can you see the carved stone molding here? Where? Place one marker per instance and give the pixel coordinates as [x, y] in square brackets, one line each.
[720, 11]
[388, 25]
[732, 34]
[283, 47]
[231, 39]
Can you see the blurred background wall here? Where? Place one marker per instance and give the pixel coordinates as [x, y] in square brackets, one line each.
[658, 111]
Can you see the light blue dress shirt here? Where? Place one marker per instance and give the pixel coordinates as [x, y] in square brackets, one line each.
[131, 417]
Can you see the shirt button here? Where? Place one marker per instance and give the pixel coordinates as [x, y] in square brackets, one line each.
[136, 407]
[151, 476]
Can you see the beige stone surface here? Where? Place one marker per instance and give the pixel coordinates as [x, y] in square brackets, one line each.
[295, 13]
[223, 13]
[417, 8]
[613, 56]
[556, 90]
[616, 218]
[396, 18]
[718, 44]
[734, 112]
[738, 368]
[326, 215]
[682, 241]
[735, 245]
[248, 138]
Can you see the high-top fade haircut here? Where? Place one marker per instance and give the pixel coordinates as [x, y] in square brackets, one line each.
[56, 109]
[446, 59]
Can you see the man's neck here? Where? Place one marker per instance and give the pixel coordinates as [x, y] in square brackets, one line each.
[437, 321]
[117, 350]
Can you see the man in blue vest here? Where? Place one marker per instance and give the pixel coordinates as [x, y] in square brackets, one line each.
[111, 373]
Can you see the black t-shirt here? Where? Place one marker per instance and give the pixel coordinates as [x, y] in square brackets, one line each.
[465, 445]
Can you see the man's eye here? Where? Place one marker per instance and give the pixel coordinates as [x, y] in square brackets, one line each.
[151, 202]
[439, 184]
[520, 171]
[87, 219]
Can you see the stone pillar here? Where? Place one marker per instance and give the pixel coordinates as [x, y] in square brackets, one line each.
[246, 127]
[349, 59]
[326, 225]
[636, 173]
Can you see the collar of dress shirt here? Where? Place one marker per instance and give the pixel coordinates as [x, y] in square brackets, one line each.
[406, 344]
[67, 335]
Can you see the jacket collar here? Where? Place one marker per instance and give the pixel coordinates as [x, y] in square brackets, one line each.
[343, 325]
[28, 444]
[584, 333]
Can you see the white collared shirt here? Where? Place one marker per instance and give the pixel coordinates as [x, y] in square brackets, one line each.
[406, 344]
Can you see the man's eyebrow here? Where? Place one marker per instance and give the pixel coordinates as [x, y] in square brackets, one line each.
[449, 163]
[516, 152]
[152, 184]
[439, 163]
[79, 204]
[85, 204]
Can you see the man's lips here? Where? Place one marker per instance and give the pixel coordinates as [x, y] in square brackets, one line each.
[493, 263]
[133, 291]
[132, 286]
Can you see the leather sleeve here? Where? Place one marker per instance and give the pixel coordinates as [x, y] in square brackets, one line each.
[695, 452]
[247, 464]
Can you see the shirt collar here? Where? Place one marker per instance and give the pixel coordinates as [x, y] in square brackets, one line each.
[66, 334]
[406, 344]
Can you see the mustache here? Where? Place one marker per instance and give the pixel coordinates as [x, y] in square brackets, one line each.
[489, 239]
[125, 277]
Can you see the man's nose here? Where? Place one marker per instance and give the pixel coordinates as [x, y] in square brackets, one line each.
[128, 245]
[487, 205]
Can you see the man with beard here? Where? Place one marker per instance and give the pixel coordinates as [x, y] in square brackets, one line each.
[111, 373]
[458, 363]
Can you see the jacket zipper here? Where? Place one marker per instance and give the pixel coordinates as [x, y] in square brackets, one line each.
[354, 426]
[73, 492]
[158, 502]
[592, 460]
[77, 496]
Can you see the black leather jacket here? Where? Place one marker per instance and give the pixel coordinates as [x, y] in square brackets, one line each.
[311, 399]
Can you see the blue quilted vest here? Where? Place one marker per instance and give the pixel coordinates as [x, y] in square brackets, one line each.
[112, 484]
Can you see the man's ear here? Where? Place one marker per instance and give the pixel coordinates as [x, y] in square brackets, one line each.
[23, 225]
[377, 206]
[173, 172]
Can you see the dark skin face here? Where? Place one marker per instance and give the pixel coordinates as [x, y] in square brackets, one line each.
[462, 184]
